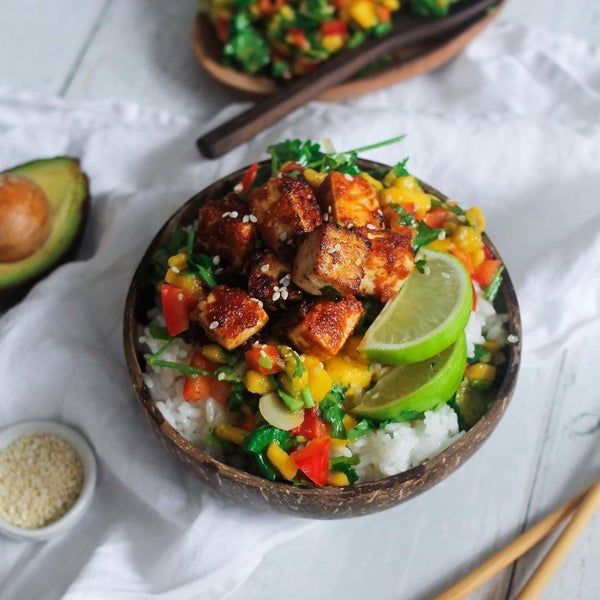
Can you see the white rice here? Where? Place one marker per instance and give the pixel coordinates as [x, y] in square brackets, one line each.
[390, 450]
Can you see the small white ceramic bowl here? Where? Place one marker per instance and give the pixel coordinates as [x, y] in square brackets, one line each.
[88, 460]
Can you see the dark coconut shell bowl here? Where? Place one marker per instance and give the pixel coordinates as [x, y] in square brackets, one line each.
[323, 503]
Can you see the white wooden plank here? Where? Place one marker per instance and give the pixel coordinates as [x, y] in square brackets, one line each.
[143, 52]
[40, 41]
[416, 549]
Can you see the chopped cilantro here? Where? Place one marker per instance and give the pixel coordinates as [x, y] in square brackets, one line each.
[404, 217]
[425, 235]
[331, 411]
[360, 429]
[420, 265]
[262, 436]
[159, 333]
[399, 169]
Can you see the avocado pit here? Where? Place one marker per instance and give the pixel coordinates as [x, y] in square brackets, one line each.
[25, 218]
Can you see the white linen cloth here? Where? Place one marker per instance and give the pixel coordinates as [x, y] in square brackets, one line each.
[512, 126]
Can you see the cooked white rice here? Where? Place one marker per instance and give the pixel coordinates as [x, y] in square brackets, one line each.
[392, 449]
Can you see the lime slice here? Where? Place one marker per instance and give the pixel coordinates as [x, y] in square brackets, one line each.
[429, 313]
[408, 389]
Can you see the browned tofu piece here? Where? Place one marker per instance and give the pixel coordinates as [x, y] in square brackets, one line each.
[349, 201]
[285, 208]
[270, 280]
[229, 316]
[326, 327]
[390, 261]
[225, 229]
[330, 257]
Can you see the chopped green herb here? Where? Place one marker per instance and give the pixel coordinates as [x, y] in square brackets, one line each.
[293, 403]
[158, 262]
[480, 355]
[399, 169]
[491, 291]
[330, 409]
[404, 217]
[262, 436]
[203, 265]
[425, 235]
[360, 429]
[236, 397]
[190, 240]
[265, 467]
[307, 398]
[159, 333]
[246, 45]
[409, 415]
[430, 8]
[420, 265]
[345, 464]
[222, 373]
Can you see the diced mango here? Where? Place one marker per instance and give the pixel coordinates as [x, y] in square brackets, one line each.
[282, 461]
[407, 182]
[492, 346]
[236, 435]
[342, 369]
[319, 381]
[338, 479]
[480, 372]
[333, 42]
[363, 12]
[466, 238]
[445, 245]
[337, 443]
[418, 200]
[183, 281]
[477, 257]
[372, 181]
[314, 178]
[257, 383]
[390, 4]
[475, 218]
[214, 353]
[179, 261]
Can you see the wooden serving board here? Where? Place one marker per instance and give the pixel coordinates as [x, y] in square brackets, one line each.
[406, 64]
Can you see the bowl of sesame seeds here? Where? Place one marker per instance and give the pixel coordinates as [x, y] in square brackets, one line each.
[47, 479]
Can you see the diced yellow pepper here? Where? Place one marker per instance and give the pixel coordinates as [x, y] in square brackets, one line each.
[319, 380]
[475, 218]
[349, 422]
[236, 435]
[363, 12]
[184, 281]
[420, 201]
[342, 369]
[371, 181]
[257, 383]
[338, 479]
[477, 257]
[351, 349]
[480, 372]
[442, 245]
[333, 42]
[214, 353]
[179, 261]
[390, 4]
[466, 238]
[282, 461]
[337, 443]
[407, 182]
[314, 178]
[287, 12]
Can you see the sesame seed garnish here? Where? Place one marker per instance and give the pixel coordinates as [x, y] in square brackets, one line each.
[329, 209]
[325, 217]
[262, 353]
[348, 177]
[512, 339]
[216, 260]
[226, 214]
[175, 270]
[218, 271]
[234, 214]
[253, 218]
[462, 218]
[441, 235]
[259, 302]
[371, 226]
[221, 376]
[214, 325]
[284, 294]
[275, 296]
[265, 268]
[238, 188]
[180, 297]
[283, 236]
[245, 218]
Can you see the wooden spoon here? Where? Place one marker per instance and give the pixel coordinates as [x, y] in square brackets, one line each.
[408, 30]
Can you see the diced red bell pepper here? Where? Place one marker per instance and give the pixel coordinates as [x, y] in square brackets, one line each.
[249, 177]
[383, 13]
[199, 388]
[487, 252]
[436, 217]
[334, 28]
[176, 308]
[249, 423]
[264, 358]
[298, 38]
[313, 427]
[313, 460]
[485, 271]
[223, 31]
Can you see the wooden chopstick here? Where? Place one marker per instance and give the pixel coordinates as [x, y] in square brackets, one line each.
[544, 571]
[510, 553]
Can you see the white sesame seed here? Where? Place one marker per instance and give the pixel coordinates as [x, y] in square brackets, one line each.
[221, 376]
[512, 339]
[265, 268]
[325, 217]
[259, 302]
[462, 218]
[216, 259]
[337, 248]
[348, 177]
[329, 209]
[371, 226]
[276, 288]
[226, 214]
[180, 297]
[218, 271]
[284, 294]
[379, 212]
[441, 235]
[234, 214]
[262, 353]
[253, 218]
[175, 270]
[446, 275]
[276, 296]
[238, 188]
[245, 218]
[214, 325]
[283, 236]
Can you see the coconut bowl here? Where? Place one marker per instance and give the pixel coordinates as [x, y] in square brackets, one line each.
[323, 503]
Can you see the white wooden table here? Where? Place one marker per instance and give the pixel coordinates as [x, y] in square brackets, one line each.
[140, 51]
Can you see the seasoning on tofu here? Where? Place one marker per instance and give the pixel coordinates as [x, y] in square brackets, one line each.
[265, 348]
[41, 477]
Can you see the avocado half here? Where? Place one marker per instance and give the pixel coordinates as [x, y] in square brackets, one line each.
[66, 190]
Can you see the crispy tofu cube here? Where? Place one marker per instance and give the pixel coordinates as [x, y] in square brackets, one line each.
[230, 317]
[390, 261]
[330, 257]
[269, 280]
[349, 202]
[285, 208]
[324, 329]
[225, 230]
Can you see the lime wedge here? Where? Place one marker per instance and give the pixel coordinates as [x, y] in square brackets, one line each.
[408, 389]
[428, 314]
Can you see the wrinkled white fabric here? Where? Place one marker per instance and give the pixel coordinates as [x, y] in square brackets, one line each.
[512, 126]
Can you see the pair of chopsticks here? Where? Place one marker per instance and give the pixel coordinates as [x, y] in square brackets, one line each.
[582, 509]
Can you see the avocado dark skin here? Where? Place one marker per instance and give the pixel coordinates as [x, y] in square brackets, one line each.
[60, 185]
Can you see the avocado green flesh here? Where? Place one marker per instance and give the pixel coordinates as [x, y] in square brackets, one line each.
[66, 189]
